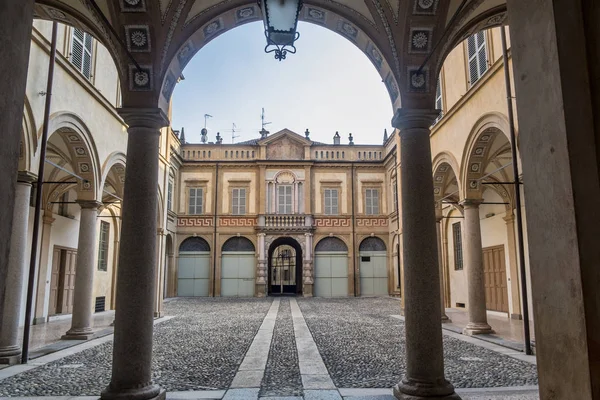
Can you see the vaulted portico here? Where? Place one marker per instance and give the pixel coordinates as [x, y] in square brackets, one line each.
[400, 38]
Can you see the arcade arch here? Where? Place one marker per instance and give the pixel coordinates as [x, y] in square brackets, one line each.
[331, 268]
[238, 266]
[373, 267]
[193, 268]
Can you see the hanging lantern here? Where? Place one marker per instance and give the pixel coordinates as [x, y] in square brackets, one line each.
[281, 20]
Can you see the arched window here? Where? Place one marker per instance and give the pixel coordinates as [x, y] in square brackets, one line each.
[331, 244]
[238, 243]
[194, 243]
[372, 244]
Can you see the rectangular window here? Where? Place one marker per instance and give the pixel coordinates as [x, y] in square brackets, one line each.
[439, 103]
[81, 52]
[170, 194]
[195, 201]
[372, 201]
[331, 202]
[458, 253]
[103, 247]
[395, 194]
[478, 62]
[284, 193]
[238, 201]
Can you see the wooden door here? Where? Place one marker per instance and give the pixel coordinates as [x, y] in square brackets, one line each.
[54, 282]
[70, 258]
[496, 288]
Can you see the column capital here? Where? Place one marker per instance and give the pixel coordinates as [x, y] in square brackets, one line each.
[509, 217]
[407, 118]
[89, 204]
[26, 177]
[153, 118]
[48, 219]
[471, 203]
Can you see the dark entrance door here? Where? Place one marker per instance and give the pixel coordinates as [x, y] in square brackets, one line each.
[285, 267]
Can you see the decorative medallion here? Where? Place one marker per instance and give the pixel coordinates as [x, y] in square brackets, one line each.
[425, 7]
[437, 190]
[439, 178]
[212, 28]
[56, 14]
[169, 85]
[74, 138]
[316, 15]
[86, 185]
[140, 80]
[347, 29]
[133, 6]
[484, 138]
[138, 38]
[418, 81]
[473, 184]
[80, 152]
[443, 168]
[392, 87]
[496, 20]
[479, 151]
[374, 55]
[185, 54]
[84, 168]
[475, 167]
[245, 14]
[420, 40]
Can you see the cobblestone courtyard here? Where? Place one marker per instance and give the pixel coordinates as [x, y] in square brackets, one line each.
[203, 346]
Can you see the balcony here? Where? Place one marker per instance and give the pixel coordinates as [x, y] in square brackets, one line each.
[285, 223]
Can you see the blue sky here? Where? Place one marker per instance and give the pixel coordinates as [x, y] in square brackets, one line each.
[329, 85]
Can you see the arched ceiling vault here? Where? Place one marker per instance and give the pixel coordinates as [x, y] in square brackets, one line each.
[162, 35]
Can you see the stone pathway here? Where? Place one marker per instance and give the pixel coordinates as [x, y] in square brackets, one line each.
[283, 348]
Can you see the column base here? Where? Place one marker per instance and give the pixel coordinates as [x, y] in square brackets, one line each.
[39, 321]
[446, 319]
[151, 392]
[477, 329]
[261, 290]
[423, 391]
[157, 314]
[307, 290]
[78, 334]
[10, 355]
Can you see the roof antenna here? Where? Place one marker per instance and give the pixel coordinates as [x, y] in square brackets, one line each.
[263, 132]
[204, 133]
[233, 135]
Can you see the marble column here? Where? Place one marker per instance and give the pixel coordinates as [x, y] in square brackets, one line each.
[10, 348]
[16, 17]
[81, 323]
[307, 272]
[475, 274]
[424, 376]
[515, 287]
[438, 228]
[44, 271]
[158, 272]
[132, 352]
[261, 273]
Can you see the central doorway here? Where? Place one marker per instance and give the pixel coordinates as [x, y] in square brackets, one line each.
[285, 267]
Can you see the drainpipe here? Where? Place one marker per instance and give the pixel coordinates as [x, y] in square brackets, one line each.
[398, 234]
[38, 197]
[353, 235]
[517, 184]
[215, 230]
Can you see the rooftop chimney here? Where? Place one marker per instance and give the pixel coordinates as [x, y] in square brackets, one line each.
[182, 136]
[264, 133]
[385, 136]
[336, 138]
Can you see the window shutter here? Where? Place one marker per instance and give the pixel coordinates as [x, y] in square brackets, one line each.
[77, 48]
[334, 202]
[241, 201]
[192, 202]
[199, 204]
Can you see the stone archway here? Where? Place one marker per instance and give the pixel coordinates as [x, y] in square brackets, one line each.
[284, 268]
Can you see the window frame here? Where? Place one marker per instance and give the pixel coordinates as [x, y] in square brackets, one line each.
[473, 58]
[87, 50]
[285, 195]
[330, 209]
[239, 197]
[372, 208]
[194, 210]
[103, 245]
[170, 191]
[458, 249]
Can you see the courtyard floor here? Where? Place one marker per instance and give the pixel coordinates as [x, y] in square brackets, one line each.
[282, 348]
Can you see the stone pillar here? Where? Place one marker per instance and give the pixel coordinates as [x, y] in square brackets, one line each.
[261, 273]
[10, 348]
[81, 323]
[475, 274]
[515, 294]
[559, 143]
[44, 271]
[16, 17]
[132, 353]
[438, 228]
[158, 302]
[424, 352]
[307, 270]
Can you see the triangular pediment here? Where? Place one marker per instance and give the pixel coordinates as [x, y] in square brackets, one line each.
[285, 145]
[285, 134]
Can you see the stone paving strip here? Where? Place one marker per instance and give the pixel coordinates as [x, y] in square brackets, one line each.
[251, 371]
[312, 368]
[282, 376]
